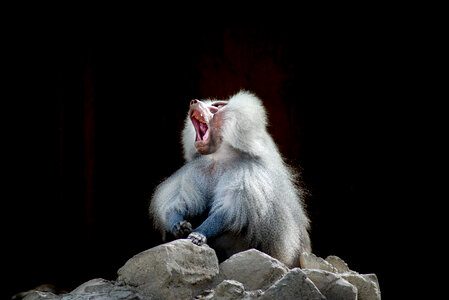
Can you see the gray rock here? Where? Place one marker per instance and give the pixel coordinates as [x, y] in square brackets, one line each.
[95, 289]
[367, 285]
[294, 285]
[182, 270]
[103, 289]
[229, 289]
[206, 295]
[338, 264]
[255, 269]
[38, 295]
[93, 286]
[311, 261]
[175, 270]
[331, 285]
[373, 278]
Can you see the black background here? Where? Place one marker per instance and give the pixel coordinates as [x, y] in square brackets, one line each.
[97, 106]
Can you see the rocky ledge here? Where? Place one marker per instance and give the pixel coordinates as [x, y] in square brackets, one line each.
[182, 270]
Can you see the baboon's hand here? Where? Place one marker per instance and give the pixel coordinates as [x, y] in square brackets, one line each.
[197, 238]
[182, 229]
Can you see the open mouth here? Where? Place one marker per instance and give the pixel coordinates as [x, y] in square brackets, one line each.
[201, 127]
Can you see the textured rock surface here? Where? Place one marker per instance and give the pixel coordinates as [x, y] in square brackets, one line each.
[294, 285]
[95, 289]
[255, 269]
[367, 285]
[229, 289]
[176, 270]
[338, 264]
[311, 261]
[182, 270]
[37, 295]
[332, 286]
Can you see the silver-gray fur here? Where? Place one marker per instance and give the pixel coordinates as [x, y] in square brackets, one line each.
[245, 182]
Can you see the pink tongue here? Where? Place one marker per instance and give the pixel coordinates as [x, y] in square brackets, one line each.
[203, 129]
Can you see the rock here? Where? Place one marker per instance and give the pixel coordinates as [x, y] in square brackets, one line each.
[367, 285]
[47, 289]
[331, 285]
[206, 295]
[229, 289]
[338, 263]
[255, 269]
[103, 289]
[94, 285]
[175, 270]
[95, 289]
[373, 278]
[294, 285]
[38, 295]
[311, 261]
[182, 270]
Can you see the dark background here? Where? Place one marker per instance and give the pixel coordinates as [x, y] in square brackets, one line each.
[96, 110]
